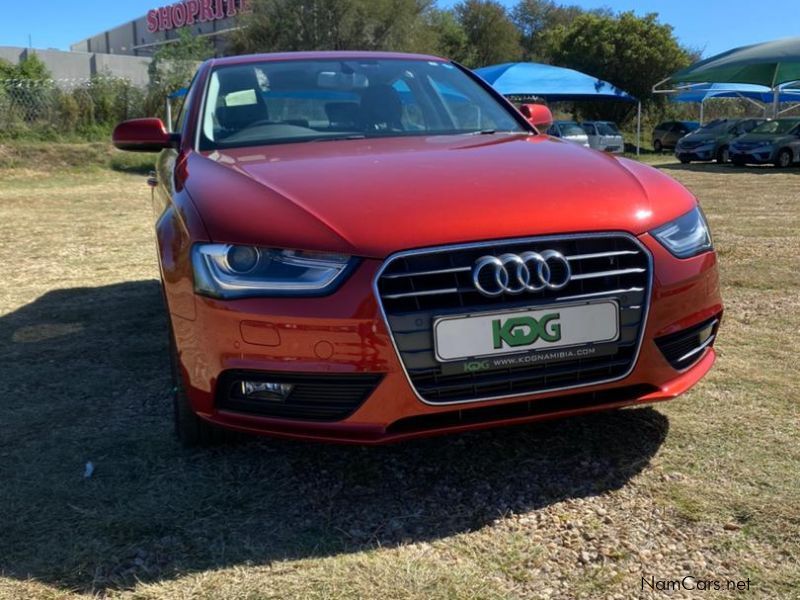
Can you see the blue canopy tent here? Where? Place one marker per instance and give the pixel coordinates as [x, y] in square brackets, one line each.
[555, 84]
[761, 95]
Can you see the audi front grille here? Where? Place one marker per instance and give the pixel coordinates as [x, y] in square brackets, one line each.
[417, 287]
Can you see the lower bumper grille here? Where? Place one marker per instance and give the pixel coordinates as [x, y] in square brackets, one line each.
[417, 287]
[685, 347]
[313, 397]
[519, 410]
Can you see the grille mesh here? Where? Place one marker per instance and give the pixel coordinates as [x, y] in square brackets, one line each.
[416, 288]
[330, 397]
[684, 348]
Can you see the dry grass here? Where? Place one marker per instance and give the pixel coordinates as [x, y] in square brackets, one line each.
[708, 485]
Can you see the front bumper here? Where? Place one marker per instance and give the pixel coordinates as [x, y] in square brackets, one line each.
[752, 158]
[345, 334]
[695, 155]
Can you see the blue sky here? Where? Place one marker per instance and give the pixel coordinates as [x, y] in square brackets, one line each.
[709, 25]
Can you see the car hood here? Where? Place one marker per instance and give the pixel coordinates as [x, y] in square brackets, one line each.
[374, 197]
[764, 138]
[702, 137]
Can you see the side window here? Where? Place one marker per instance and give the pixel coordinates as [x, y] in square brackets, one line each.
[180, 102]
[589, 129]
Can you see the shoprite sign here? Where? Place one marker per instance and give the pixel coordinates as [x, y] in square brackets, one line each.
[189, 12]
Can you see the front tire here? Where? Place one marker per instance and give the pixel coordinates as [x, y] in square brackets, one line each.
[684, 161]
[658, 146]
[191, 430]
[723, 155]
[784, 159]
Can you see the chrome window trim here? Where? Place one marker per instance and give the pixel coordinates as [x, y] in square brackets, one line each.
[535, 239]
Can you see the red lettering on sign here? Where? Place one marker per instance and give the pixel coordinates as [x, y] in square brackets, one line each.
[188, 12]
[179, 14]
[192, 10]
[206, 11]
[164, 18]
[152, 21]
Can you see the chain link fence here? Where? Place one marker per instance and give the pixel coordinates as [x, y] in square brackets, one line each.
[67, 107]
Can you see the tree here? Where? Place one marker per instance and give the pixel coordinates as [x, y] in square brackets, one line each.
[32, 68]
[173, 67]
[290, 25]
[490, 33]
[450, 39]
[631, 52]
[535, 17]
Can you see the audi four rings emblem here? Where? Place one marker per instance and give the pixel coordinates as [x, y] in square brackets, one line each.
[517, 273]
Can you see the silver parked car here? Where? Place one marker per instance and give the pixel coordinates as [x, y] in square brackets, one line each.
[604, 135]
[569, 131]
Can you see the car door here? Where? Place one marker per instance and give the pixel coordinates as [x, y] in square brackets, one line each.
[665, 132]
[795, 143]
[591, 133]
[676, 132]
[174, 247]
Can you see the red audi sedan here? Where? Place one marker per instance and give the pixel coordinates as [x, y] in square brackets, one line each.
[366, 247]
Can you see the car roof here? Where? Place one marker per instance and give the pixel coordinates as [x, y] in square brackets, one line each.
[319, 55]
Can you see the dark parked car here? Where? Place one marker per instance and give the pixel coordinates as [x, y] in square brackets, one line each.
[774, 142]
[668, 133]
[712, 140]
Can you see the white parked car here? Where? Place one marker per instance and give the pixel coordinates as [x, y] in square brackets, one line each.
[569, 131]
[604, 135]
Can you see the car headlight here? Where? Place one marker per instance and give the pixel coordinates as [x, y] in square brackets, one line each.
[686, 236]
[228, 271]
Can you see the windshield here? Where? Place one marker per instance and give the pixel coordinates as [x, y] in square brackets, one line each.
[607, 128]
[778, 126]
[570, 128]
[277, 102]
[718, 125]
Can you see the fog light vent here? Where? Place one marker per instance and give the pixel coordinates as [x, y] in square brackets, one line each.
[685, 347]
[266, 390]
[302, 396]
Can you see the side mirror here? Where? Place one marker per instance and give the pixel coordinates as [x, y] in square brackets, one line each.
[143, 135]
[537, 115]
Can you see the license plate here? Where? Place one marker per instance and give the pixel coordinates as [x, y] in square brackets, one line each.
[510, 332]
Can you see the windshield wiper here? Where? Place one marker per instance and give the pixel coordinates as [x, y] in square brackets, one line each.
[492, 132]
[339, 138]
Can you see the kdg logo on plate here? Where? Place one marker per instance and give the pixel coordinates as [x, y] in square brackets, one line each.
[524, 331]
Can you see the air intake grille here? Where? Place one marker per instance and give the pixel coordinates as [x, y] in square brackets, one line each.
[685, 347]
[314, 397]
[417, 287]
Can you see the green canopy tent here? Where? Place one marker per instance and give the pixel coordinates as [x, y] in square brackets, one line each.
[771, 64]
